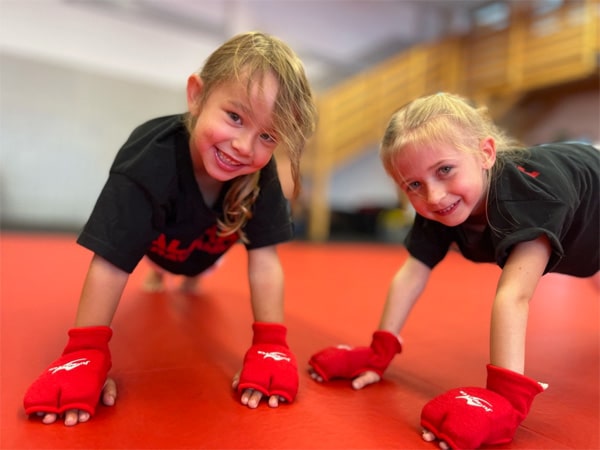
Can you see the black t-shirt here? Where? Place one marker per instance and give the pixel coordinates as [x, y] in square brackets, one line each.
[553, 191]
[151, 205]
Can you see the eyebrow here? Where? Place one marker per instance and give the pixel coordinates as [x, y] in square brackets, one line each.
[442, 162]
[240, 105]
[248, 111]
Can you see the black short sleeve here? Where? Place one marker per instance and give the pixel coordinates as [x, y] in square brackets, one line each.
[271, 221]
[120, 226]
[428, 241]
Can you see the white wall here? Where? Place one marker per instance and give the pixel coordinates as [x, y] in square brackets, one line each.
[362, 183]
[60, 128]
[59, 131]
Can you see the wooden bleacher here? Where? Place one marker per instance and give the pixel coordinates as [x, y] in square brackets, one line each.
[493, 67]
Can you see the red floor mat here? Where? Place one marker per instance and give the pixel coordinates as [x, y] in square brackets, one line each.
[174, 355]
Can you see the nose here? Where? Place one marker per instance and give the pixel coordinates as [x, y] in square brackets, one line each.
[435, 193]
[243, 142]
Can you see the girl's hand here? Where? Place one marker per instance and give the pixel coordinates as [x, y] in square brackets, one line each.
[365, 379]
[361, 381]
[251, 398]
[472, 417]
[430, 437]
[362, 365]
[75, 416]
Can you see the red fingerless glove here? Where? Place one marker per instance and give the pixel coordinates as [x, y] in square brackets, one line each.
[76, 379]
[269, 365]
[347, 362]
[470, 417]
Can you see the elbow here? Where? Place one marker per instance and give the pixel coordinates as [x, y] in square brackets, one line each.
[513, 296]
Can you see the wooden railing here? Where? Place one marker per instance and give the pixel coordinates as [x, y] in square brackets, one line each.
[493, 67]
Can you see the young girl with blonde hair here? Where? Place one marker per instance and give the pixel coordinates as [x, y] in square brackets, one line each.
[530, 210]
[182, 191]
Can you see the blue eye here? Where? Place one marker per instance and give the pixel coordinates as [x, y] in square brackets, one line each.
[413, 186]
[267, 137]
[234, 116]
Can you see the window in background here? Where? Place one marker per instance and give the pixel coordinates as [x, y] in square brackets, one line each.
[493, 16]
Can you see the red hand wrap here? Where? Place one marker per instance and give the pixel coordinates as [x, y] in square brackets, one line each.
[472, 416]
[269, 365]
[345, 362]
[76, 379]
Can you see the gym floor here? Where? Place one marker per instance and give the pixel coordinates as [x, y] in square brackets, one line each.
[174, 354]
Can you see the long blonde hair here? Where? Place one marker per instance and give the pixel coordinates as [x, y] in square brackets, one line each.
[444, 118]
[251, 56]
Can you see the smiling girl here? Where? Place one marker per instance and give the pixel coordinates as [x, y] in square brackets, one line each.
[182, 191]
[529, 210]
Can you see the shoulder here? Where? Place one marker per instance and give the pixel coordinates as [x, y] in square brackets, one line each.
[150, 157]
[571, 154]
[547, 172]
[150, 139]
[156, 129]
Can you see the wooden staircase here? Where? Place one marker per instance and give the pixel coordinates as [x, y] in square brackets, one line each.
[492, 67]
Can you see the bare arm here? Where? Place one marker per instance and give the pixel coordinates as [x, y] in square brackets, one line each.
[266, 284]
[101, 293]
[99, 299]
[406, 287]
[266, 279]
[520, 276]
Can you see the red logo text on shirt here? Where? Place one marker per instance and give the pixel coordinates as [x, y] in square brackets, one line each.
[209, 242]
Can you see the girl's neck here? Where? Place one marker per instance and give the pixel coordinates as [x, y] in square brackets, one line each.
[477, 217]
[209, 187]
[476, 222]
[479, 214]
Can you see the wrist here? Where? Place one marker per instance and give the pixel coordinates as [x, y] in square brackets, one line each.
[81, 338]
[269, 333]
[518, 389]
[386, 342]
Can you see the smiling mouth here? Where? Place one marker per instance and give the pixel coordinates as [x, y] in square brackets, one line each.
[447, 210]
[226, 160]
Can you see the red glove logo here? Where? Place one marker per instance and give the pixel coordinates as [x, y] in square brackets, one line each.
[71, 365]
[476, 401]
[277, 356]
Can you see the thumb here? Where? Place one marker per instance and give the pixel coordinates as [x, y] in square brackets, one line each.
[109, 392]
[364, 379]
[236, 380]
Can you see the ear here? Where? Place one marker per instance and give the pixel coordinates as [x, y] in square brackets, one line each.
[194, 91]
[488, 152]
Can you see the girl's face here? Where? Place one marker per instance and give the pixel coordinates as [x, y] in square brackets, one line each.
[446, 184]
[233, 133]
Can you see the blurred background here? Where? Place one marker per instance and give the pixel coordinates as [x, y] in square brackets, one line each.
[76, 76]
